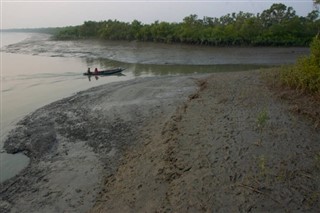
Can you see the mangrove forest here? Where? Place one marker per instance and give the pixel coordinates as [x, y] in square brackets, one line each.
[277, 26]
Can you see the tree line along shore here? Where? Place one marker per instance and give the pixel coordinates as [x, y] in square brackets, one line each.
[277, 26]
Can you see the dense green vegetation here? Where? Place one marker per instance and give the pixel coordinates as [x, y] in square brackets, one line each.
[278, 25]
[305, 74]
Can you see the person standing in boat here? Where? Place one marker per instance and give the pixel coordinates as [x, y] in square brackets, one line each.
[89, 72]
[96, 71]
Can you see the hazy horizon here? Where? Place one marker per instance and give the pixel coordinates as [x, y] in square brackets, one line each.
[59, 13]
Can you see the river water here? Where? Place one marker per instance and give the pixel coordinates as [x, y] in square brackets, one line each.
[36, 71]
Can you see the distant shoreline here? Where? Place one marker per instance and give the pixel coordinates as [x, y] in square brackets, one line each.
[46, 30]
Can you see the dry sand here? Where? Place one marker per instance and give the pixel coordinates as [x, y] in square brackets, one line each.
[222, 143]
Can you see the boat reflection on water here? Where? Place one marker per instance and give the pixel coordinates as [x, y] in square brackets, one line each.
[97, 76]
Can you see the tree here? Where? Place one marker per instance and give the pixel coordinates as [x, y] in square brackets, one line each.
[89, 29]
[135, 29]
[276, 14]
[191, 20]
[313, 15]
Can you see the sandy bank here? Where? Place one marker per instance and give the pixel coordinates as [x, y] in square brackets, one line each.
[232, 147]
[75, 143]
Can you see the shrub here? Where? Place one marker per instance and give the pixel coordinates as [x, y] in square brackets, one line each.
[305, 74]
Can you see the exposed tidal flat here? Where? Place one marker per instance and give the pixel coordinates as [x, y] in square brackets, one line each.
[214, 142]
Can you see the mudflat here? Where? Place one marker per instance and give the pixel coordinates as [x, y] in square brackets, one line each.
[218, 143]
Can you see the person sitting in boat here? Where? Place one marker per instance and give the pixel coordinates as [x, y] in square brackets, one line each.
[96, 71]
[89, 72]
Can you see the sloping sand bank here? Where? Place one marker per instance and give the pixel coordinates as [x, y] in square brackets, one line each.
[232, 147]
[222, 143]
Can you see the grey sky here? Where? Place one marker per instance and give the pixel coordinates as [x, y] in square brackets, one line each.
[53, 13]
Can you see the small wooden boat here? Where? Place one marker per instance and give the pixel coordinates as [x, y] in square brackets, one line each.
[106, 72]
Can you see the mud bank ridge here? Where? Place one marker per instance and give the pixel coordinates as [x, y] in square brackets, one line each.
[218, 143]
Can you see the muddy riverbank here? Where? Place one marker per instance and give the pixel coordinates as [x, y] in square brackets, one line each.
[217, 143]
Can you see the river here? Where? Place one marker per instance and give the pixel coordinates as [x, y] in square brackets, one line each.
[36, 71]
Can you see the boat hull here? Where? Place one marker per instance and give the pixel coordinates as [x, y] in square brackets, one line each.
[105, 72]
